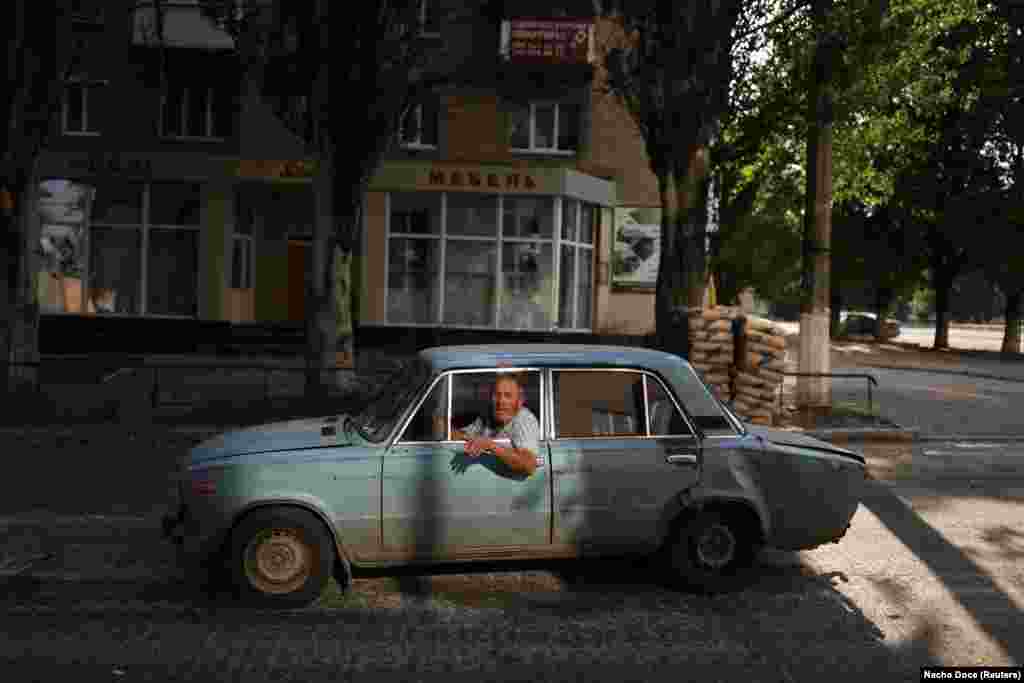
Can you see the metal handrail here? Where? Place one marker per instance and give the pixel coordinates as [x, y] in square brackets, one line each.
[863, 375]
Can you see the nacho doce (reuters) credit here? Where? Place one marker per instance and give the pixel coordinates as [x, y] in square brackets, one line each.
[972, 673]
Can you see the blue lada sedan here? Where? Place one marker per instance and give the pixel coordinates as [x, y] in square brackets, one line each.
[489, 453]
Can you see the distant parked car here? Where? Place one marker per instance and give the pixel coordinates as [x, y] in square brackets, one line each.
[619, 450]
[864, 323]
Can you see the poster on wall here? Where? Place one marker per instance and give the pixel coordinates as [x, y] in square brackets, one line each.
[636, 248]
[63, 208]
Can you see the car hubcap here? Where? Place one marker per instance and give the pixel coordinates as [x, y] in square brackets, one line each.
[277, 561]
[716, 546]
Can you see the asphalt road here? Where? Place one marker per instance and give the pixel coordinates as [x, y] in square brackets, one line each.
[940, 404]
[929, 573]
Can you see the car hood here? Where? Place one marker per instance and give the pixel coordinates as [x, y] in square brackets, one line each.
[799, 440]
[323, 432]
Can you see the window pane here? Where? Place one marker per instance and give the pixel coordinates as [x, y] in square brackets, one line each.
[223, 112]
[469, 282]
[174, 203]
[115, 259]
[544, 131]
[569, 211]
[528, 216]
[566, 287]
[413, 277]
[172, 112]
[416, 213]
[702, 406]
[472, 398]
[527, 278]
[598, 404]
[431, 16]
[584, 288]
[172, 269]
[75, 108]
[568, 126]
[61, 208]
[197, 100]
[519, 126]
[408, 130]
[665, 419]
[428, 123]
[588, 221]
[472, 214]
[431, 421]
[118, 203]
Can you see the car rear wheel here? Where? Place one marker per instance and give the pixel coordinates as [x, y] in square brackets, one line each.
[711, 553]
[280, 557]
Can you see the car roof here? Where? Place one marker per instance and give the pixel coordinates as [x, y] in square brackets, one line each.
[493, 355]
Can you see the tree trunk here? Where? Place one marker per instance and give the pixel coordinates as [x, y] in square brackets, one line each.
[1011, 333]
[942, 283]
[320, 325]
[665, 286]
[22, 314]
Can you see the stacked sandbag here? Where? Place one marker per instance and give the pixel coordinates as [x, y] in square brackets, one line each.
[712, 347]
[759, 375]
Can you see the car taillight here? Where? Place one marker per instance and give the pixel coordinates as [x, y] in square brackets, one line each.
[204, 487]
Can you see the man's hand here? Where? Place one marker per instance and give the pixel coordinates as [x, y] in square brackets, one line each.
[480, 444]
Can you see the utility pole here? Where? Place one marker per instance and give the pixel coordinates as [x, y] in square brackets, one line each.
[815, 393]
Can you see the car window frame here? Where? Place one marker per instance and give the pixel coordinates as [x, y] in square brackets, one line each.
[449, 377]
[553, 436]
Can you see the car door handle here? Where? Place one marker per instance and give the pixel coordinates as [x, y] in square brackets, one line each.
[681, 459]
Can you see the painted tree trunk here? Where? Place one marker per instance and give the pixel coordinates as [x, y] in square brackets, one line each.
[1011, 333]
[942, 283]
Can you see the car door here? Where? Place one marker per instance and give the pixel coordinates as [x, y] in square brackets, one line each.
[440, 504]
[621, 451]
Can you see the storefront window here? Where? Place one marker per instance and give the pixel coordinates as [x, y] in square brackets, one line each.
[489, 278]
[173, 267]
[469, 282]
[527, 278]
[92, 246]
[115, 260]
[414, 270]
[472, 214]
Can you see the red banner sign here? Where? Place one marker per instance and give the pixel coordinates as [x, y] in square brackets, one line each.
[560, 41]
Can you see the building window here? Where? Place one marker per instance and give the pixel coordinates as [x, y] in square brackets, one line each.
[549, 127]
[419, 127]
[135, 248]
[575, 291]
[429, 18]
[488, 261]
[78, 108]
[199, 113]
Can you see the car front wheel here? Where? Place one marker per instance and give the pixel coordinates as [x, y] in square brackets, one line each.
[711, 553]
[280, 557]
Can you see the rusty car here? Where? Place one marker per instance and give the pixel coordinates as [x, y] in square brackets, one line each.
[634, 454]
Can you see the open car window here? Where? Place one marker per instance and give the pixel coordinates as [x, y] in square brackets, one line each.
[591, 403]
[430, 423]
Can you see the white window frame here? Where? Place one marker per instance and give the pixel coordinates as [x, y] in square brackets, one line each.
[579, 249]
[532, 147]
[416, 110]
[86, 87]
[499, 241]
[208, 133]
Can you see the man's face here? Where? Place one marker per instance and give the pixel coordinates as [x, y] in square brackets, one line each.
[507, 400]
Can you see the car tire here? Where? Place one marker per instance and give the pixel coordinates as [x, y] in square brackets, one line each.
[711, 553]
[280, 558]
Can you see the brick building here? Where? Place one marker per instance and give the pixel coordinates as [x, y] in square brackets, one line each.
[184, 217]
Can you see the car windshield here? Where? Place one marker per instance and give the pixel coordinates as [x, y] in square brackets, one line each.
[377, 420]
